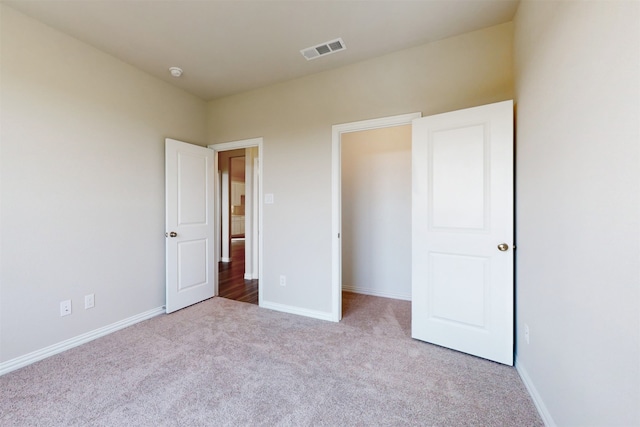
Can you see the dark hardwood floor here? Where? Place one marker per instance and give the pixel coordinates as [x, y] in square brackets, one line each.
[231, 282]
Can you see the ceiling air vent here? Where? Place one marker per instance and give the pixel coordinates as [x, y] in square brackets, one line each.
[323, 49]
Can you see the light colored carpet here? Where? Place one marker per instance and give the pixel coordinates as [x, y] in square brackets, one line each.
[229, 363]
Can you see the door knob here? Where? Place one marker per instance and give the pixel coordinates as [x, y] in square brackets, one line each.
[503, 247]
[172, 234]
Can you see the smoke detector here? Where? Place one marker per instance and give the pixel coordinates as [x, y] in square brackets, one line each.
[323, 49]
[175, 71]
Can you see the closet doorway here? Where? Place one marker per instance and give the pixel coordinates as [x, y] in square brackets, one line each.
[350, 276]
[376, 212]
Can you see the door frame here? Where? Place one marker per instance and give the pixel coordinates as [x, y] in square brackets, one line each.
[234, 145]
[336, 196]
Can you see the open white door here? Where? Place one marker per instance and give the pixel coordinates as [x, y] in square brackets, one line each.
[462, 226]
[190, 224]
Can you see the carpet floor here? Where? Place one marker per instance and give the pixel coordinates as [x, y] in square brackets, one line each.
[228, 363]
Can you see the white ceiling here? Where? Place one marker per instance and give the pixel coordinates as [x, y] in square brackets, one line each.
[226, 47]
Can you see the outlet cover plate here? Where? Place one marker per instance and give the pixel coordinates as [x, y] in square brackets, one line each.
[89, 301]
[65, 308]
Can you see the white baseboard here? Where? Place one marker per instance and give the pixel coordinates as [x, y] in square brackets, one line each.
[366, 291]
[27, 359]
[537, 399]
[224, 259]
[322, 315]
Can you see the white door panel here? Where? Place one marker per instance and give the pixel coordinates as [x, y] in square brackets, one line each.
[457, 164]
[189, 215]
[462, 284]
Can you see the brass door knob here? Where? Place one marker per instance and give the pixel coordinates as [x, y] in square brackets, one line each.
[172, 234]
[503, 247]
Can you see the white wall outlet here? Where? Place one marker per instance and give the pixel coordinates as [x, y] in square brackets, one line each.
[526, 333]
[65, 308]
[269, 199]
[283, 280]
[89, 301]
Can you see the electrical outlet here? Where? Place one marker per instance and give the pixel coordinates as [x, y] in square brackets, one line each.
[526, 333]
[89, 301]
[65, 308]
[283, 280]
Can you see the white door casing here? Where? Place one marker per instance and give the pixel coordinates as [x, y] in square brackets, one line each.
[255, 215]
[251, 213]
[224, 203]
[190, 230]
[462, 283]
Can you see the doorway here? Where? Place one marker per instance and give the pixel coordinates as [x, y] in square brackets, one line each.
[462, 228]
[376, 212]
[238, 220]
[338, 131]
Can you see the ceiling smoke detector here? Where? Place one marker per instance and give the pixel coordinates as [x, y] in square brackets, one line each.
[323, 49]
[175, 71]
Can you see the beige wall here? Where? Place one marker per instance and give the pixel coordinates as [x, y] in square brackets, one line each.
[295, 119]
[82, 172]
[578, 209]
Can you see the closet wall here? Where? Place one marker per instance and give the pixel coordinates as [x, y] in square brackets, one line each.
[376, 212]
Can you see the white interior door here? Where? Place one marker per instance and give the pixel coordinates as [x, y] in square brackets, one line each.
[190, 229]
[462, 231]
